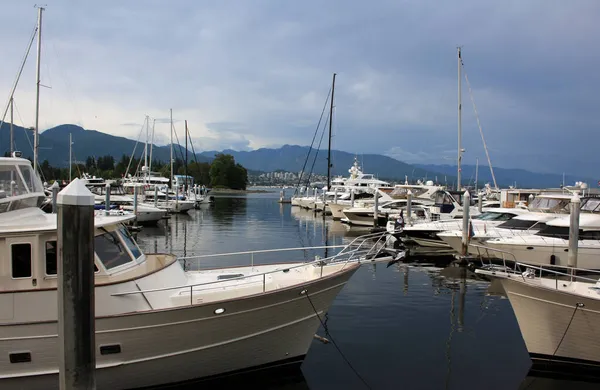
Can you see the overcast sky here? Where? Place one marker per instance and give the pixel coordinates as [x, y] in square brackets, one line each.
[251, 74]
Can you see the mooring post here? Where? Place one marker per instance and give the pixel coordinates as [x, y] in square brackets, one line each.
[335, 195]
[281, 196]
[106, 199]
[156, 196]
[135, 203]
[55, 188]
[409, 196]
[574, 231]
[76, 311]
[480, 203]
[352, 197]
[376, 210]
[465, 224]
[530, 199]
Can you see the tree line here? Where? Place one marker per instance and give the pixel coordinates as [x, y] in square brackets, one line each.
[222, 172]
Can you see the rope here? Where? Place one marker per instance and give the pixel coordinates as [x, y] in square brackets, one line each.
[134, 147]
[317, 153]
[577, 306]
[487, 154]
[324, 325]
[313, 141]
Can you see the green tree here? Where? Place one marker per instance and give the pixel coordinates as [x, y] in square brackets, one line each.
[224, 172]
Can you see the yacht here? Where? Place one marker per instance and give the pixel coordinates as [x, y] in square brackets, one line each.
[524, 224]
[156, 323]
[364, 216]
[550, 245]
[558, 312]
[185, 186]
[357, 181]
[426, 234]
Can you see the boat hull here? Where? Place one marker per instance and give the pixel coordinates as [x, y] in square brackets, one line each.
[536, 254]
[544, 315]
[175, 345]
[337, 210]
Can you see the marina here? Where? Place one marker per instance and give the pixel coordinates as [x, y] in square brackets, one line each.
[179, 254]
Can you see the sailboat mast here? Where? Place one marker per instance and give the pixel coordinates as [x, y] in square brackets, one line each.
[146, 144]
[12, 142]
[171, 110]
[476, 172]
[186, 158]
[151, 145]
[70, 155]
[37, 93]
[330, 127]
[459, 159]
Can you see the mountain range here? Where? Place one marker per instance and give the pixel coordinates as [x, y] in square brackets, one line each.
[54, 147]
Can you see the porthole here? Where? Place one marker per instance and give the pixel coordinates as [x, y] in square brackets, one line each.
[219, 311]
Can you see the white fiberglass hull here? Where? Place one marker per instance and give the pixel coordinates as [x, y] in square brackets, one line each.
[169, 346]
[147, 215]
[544, 314]
[337, 210]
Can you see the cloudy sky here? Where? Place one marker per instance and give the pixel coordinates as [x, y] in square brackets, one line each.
[251, 74]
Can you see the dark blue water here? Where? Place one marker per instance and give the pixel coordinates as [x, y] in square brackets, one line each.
[402, 327]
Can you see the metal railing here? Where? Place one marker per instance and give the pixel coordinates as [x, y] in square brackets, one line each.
[365, 247]
[559, 272]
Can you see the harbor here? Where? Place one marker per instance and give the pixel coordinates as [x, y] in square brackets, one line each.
[265, 233]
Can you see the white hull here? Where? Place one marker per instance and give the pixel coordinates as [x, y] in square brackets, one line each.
[337, 210]
[544, 314]
[147, 215]
[364, 218]
[166, 346]
[588, 256]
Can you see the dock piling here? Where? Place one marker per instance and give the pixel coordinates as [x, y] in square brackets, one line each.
[55, 188]
[409, 196]
[135, 203]
[465, 224]
[574, 231]
[76, 305]
[107, 199]
[376, 210]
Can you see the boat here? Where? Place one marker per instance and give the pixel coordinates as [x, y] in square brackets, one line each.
[524, 224]
[550, 245]
[146, 214]
[557, 310]
[156, 323]
[426, 234]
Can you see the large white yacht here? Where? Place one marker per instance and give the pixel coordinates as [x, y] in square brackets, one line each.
[550, 245]
[357, 182]
[427, 233]
[155, 322]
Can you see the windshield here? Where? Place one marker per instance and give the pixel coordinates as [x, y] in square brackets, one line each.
[130, 242]
[491, 216]
[549, 204]
[519, 224]
[590, 205]
[32, 181]
[554, 231]
[110, 250]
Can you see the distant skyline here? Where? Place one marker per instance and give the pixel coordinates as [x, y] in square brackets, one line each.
[256, 74]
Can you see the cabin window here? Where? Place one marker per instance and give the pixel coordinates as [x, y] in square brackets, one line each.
[51, 256]
[110, 250]
[21, 260]
[130, 242]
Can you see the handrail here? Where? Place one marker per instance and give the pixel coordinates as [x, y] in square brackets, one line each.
[328, 260]
[261, 251]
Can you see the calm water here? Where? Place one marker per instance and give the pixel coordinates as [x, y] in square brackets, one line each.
[402, 327]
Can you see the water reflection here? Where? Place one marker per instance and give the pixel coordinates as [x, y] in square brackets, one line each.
[428, 326]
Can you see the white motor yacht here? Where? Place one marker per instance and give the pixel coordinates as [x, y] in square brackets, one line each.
[550, 245]
[426, 234]
[557, 310]
[155, 322]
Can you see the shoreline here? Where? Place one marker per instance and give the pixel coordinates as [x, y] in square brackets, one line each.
[225, 191]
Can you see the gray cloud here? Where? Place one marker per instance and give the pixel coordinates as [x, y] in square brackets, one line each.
[252, 74]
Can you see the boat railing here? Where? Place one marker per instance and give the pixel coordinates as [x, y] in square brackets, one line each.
[362, 248]
[524, 270]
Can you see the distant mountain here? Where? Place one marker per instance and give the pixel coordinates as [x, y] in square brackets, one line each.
[54, 145]
[509, 176]
[291, 158]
